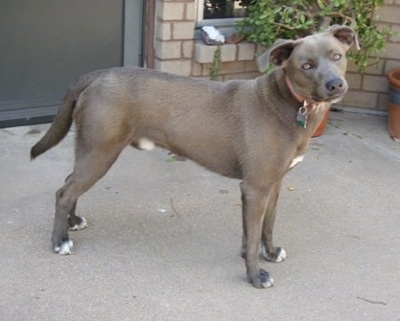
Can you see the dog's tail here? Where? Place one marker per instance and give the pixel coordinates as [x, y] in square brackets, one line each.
[63, 119]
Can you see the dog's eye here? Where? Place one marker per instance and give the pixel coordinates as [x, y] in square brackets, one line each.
[337, 56]
[306, 66]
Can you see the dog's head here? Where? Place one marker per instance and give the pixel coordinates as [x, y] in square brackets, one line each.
[315, 65]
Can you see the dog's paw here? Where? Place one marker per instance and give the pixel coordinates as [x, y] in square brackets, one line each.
[65, 248]
[79, 223]
[262, 280]
[275, 255]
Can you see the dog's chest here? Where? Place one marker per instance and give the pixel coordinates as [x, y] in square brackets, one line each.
[296, 160]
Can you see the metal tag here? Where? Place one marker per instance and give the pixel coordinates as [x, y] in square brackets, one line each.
[301, 117]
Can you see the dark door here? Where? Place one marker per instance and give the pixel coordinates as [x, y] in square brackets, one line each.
[46, 44]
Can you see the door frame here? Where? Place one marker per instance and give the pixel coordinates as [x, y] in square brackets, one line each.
[132, 38]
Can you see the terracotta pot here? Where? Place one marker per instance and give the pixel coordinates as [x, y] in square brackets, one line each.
[321, 127]
[394, 104]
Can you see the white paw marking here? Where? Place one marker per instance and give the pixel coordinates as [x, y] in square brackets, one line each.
[296, 160]
[77, 227]
[146, 144]
[65, 248]
[269, 283]
[281, 257]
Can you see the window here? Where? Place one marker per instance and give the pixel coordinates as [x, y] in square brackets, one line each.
[222, 12]
[217, 9]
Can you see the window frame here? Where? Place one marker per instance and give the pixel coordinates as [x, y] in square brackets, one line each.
[221, 22]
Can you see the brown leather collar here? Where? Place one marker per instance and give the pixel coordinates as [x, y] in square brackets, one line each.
[299, 98]
[304, 102]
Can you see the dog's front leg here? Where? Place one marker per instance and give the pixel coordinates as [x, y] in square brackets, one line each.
[269, 252]
[254, 204]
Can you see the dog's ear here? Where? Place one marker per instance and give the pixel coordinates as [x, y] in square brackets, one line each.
[278, 53]
[345, 35]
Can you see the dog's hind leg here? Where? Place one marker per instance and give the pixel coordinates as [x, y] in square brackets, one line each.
[75, 222]
[269, 252]
[90, 165]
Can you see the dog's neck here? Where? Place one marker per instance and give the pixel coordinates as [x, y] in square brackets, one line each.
[304, 102]
[299, 98]
[296, 96]
[306, 106]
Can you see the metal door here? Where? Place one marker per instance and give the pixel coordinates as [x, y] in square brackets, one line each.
[46, 44]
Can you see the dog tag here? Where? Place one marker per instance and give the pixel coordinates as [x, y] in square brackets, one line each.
[301, 117]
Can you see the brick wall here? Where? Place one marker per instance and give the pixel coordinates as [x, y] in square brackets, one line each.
[176, 51]
[370, 89]
[237, 60]
[174, 33]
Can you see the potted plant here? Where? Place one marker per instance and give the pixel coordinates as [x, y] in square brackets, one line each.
[394, 104]
[269, 20]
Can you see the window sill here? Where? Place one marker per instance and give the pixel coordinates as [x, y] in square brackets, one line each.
[229, 52]
[227, 22]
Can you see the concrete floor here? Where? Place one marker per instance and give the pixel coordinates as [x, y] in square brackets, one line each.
[164, 237]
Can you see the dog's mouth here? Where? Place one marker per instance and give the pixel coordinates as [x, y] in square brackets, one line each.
[331, 100]
[318, 95]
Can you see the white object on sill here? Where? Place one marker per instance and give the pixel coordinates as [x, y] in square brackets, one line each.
[212, 36]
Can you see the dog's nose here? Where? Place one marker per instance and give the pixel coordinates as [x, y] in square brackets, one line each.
[335, 86]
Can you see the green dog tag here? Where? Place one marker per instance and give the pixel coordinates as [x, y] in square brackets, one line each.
[301, 117]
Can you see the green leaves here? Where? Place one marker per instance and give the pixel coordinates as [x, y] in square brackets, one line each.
[215, 66]
[269, 20]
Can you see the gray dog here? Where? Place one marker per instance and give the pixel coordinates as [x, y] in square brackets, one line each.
[253, 130]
